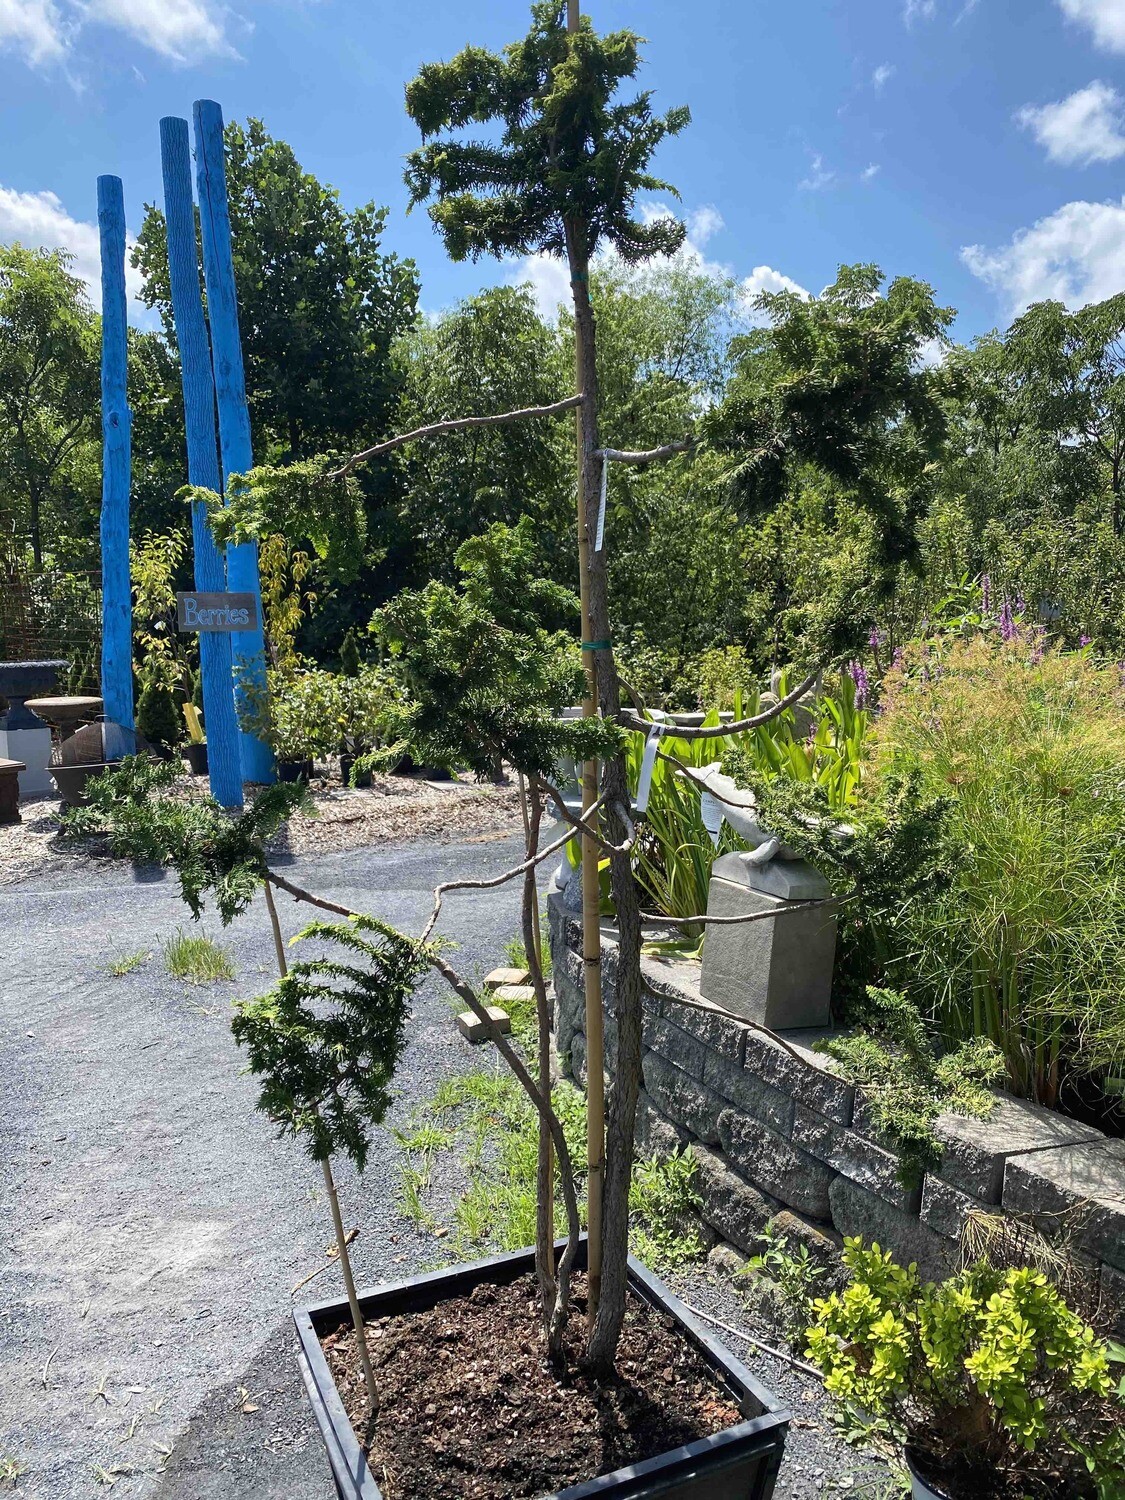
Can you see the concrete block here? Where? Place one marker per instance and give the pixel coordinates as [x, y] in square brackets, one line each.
[974, 1151]
[730, 1204]
[748, 1092]
[682, 1099]
[674, 1045]
[946, 1208]
[514, 994]
[473, 1029]
[655, 1134]
[682, 1004]
[774, 1165]
[725, 1261]
[776, 971]
[1079, 1190]
[806, 1075]
[855, 1211]
[823, 1244]
[500, 977]
[1111, 1305]
[855, 1158]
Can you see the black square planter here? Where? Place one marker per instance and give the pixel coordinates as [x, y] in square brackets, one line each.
[740, 1463]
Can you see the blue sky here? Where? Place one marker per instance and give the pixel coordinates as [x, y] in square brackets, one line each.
[975, 143]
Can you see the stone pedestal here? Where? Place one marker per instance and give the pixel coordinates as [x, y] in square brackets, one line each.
[32, 747]
[777, 970]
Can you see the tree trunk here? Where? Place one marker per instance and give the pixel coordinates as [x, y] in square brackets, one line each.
[610, 1311]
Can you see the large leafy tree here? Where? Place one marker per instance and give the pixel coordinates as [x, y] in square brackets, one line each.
[48, 394]
[557, 170]
[320, 301]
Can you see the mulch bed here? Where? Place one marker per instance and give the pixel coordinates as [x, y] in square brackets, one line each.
[473, 1408]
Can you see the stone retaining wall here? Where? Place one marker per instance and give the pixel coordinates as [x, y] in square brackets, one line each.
[777, 1135]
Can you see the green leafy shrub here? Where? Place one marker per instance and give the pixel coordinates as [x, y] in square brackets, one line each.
[906, 1084]
[158, 718]
[988, 1375]
[1026, 943]
[664, 1205]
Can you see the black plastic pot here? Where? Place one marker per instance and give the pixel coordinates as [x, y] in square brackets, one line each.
[346, 764]
[738, 1464]
[196, 756]
[294, 770]
[924, 1485]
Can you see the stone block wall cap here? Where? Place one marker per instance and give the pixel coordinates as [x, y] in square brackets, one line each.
[788, 880]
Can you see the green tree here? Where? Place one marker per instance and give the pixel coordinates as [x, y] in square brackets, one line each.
[320, 302]
[48, 393]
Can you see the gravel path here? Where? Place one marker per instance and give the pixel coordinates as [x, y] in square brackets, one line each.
[152, 1227]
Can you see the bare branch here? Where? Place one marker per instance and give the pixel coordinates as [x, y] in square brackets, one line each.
[685, 732]
[455, 424]
[483, 885]
[750, 916]
[638, 458]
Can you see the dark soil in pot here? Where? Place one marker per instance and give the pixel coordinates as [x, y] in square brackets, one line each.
[473, 1408]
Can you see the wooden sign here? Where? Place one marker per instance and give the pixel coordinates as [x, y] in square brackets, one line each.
[214, 611]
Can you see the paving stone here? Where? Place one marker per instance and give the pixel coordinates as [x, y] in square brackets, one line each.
[729, 1203]
[974, 1151]
[514, 994]
[946, 1208]
[676, 1046]
[858, 1159]
[855, 1211]
[807, 1077]
[748, 1092]
[500, 977]
[775, 1165]
[1084, 1185]
[655, 1134]
[682, 1099]
[473, 1029]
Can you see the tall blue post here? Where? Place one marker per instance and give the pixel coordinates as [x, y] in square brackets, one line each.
[247, 647]
[223, 750]
[117, 604]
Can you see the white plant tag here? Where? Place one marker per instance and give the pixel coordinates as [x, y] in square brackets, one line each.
[648, 762]
[600, 538]
[711, 811]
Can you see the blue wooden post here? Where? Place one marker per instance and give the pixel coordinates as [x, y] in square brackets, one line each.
[220, 720]
[117, 604]
[247, 647]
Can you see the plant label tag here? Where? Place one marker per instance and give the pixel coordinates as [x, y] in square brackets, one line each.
[216, 611]
[648, 762]
[711, 811]
[600, 538]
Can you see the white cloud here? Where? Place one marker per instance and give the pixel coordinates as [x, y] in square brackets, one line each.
[1105, 18]
[870, 172]
[704, 223]
[882, 74]
[1075, 255]
[33, 28]
[819, 176]
[40, 221]
[1080, 129]
[766, 279]
[548, 279]
[918, 10]
[184, 31]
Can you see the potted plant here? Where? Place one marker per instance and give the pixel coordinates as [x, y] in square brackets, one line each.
[298, 718]
[367, 711]
[195, 749]
[994, 1386]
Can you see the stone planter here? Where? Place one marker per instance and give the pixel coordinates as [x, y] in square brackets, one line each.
[740, 1463]
[71, 781]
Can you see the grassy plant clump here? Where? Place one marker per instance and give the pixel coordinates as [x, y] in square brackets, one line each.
[195, 957]
[664, 1203]
[127, 963]
[792, 1270]
[906, 1085]
[1026, 944]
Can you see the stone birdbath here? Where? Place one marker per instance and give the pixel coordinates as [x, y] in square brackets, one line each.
[23, 734]
[66, 714]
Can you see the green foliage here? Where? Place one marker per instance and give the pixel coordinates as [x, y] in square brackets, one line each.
[349, 656]
[989, 1371]
[486, 672]
[327, 1038]
[1026, 943]
[154, 560]
[127, 963]
[792, 1270]
[158, 720]
[311, 713]
[566, 152]
[149, 816]
[905, 1084]
[664, 1206]
[195, 957]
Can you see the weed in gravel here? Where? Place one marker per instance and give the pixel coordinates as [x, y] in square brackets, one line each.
[194, 957]
[10, 1469]
[127, 963]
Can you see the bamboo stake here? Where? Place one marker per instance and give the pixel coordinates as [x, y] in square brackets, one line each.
[591, 916]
